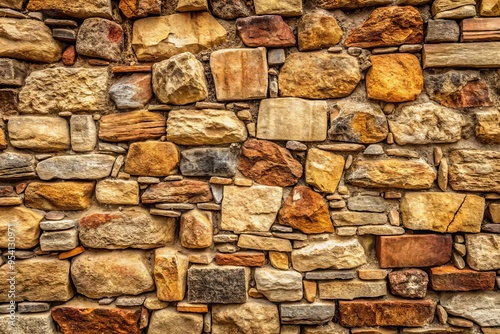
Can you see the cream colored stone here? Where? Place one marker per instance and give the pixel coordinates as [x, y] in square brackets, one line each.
[324, 170]
[280, 7]
[38, 133]
[196, 229]
[118, 192]
[264, 243]
[171, 321]
[351, 289]
[24, 224]
[279, 285]
[205, 127]
[192, 5]
[170, 272]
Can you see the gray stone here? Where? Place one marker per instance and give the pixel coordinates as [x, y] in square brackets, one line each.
[230, 9]
[351, 289]
[83, 133]
[56, 225]
[84, 167]
[367, 203]
[32, 307]
[307, 313]
[331, 274]
[346, 218]
[276, 57]
[482, 307]
[36, 323]
[39, 133]
[59, 240]
[100, 38]
[64, 35]
[128, 301]
[374, 149]
[132, 91]
[170, 321]
[209, 161]
[442, 31]
[15, 166]
[483, 251]
[220, 285]
[279, 285]
[12, 72]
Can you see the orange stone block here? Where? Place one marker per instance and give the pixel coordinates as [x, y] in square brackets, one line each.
[71, 253]
[247, 259]
[450, 278]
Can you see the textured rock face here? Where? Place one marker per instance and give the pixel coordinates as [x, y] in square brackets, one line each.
[318, 75]
[81, 10]
[196, 229]
[83, 133]
[175, 322]
[489, 8]
[16, 166]
[162, 158]
[318, 31]
[324, 170]
[85, 167]
[255, 316]
[352, 4]
[38, 279]
[474, 170]
[250, 208]
[141, 8]
[267, 30]
[131, 91]
[100, 38]
[305, 210]
[483, 251]
[188, 191]
[130, 228]
[205, 127]
[59, 195]
[394, 78]
[131, 126]
[264, 243]
[161, 37]
[117, 192]
[213, 161]
[170, 274]
[410, 283]
[30, 323]
[480, 307]
[389, 26]
[288, 8]
[45, 134]
[180, 80]
[306, 313]
[278, 285]
[488, 126]
[426, 123]
[25, 223]
[230, 9]
[268, 163]
[351, 289]
[29, 40]
[449, 278]
[53, 90]
[98, 274]
[346, 218]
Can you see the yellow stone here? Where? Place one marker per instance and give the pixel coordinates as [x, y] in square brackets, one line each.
[24, 224]
[170, 274]
[324, 170]
[490, 8]
[318, 31]
[117, 192]
[310, 290]
[151, 158]
[278, 260]
[59, 195]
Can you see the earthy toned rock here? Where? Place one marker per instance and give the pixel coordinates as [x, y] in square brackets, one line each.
[474, 170]
[409, 283]
[471, 55]
[229, 9]
[38, 133]
[347, 218]
[328, 328]
[12, 72]
[351, 289]
[29, 40]
[59, 195]
[131, 126]
[318, 31]
[3, 140]
[221, 285]
[133, 227]
[117, 192]
[30, 323]
[305, 210]
[268, 163]
[264, 243]
[196, 229]
[134, 9]
[388, 26]
[358, 122]
[23, 222]
[367, 203]
[440, 6]
[417, 250]
[341, 253]
[57, 89]
[324, 170]
[59, 240]
[175, 322]
[131, 91]
[288, 8]
[307, 313]
[318, 75]
[205, 127]
[442, 212]
[100, 38]
[275, 112]
[84, 9]
[192, 5]
[161, 37]
[494, 212]
[250, 208]
[247, 259]
[398, 312]
[186, 191]
[279, 285]
[85, 167]
[483, 251]
[394, 78]
[489, 8]
[267, 30]
[98, 274]
[180, 80]
[40, 278]
[69, 56]
[352, 4]
[209, 161]
[83, 133]
[16, 166]
[170, 272]
[14, 4]
[449, 278]
[435, 124]
[442, 31]
[161, 157]
[488, 126]
[255, 316]
[481, 306]
[393, 173]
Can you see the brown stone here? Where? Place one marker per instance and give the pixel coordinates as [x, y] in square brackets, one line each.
[394, 78]
[417, 250]
[268, 163]
[306, 210]
[494, 212]
[151, 158]
[84, 9]
[318, 31]
[69, 56]
[132, 91]
[139, 8]
[399, 312]
[470, 55]
[59, 195]
[131, 126]
[474, 170]
[409, 283]
[488, 126]
[355, 4]
[266, 30]
[389, 26]
[324, 170]
[196, 229]
[185, 191]
[71, 253]
[246, 259]
[449, 278]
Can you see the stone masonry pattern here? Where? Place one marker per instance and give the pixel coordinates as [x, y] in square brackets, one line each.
[250, 167]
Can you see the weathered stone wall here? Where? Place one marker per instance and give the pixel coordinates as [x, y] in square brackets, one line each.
[259, 167]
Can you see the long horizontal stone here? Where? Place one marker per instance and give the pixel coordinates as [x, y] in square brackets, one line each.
[347, 218]
[264, 243]
[475, 170]
[131, 126]
[449, 278]
[307, 313]
[84, 167]
[481, 29]
[476, 55]
[482, 307]
[351, 289]
[185, 191]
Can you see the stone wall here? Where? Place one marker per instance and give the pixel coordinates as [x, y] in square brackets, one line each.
[259, 167]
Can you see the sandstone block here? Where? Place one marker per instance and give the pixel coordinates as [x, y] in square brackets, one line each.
[85, 167]
[209, 161]
[117, 192]
[173, 322]
[192, 5]
[324, 170]
[267, 30]
[59, 240]
[37, 133]
[170, 273]
[264, 243]
[279, 285]
[318, 31]
[25, 223]
[131, 126]
[16, 166]
[480, 306]
[59, 195]
[161, 157]
[83, 133]
[196, 229]
[84, 9]
[488, 126]
[131, 91]
[135, 9]
[351, 289]
[100, 38]
[474, 170]
[283, 8]
[185, 191]
[31, 323]
[13, 4]
[489, 8]
[442, 31]
[246, 259]
[469, 55]
[483, 251]
[230, 9]
[347, 218]
[449, 278]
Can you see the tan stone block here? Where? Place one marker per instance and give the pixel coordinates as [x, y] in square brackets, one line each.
[324, 170]
[161, 158]
[24, 225]
[117, 192]
[170, 272]
[59, 195]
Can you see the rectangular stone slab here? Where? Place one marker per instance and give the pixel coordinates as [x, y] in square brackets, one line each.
[480, 29]
[398, 312]
[417, 250]
[476, 55]
[450, 278]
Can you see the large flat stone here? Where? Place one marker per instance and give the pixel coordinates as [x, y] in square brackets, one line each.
[264, 243]
[169, 320]
[15, 166]
[449, 278]
[161, 157]
[307, 313]
[273, 113]
[29, 323]
[483, 251]
[474, 170]
[23, 222]
[348, 218]
[353, 4]
[482, 307]
[170, 272]
[84, 9]
[70, 167]
[52, 90]
[117, 192]
[351, 289]
[59, 195]
[318, 31]
[37, 133]
[209, 161]
[185, 191]
[131, 126]
[133, 227]
[475, 55]
[279, 285]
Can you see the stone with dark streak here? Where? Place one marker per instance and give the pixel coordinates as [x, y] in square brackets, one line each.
[266, 30]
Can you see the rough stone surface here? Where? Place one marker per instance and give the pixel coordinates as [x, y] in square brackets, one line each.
[25, 223]
[278, 285]
[131, 126]
[442, 31]
[230, 9]
[264, 243]
[489, 8]
[482, 307]
[347, 218]
[409, 283]
[59, 195]
[135, 9]
[100, 38]
[37, 133]
[83, 133]
[318, 75]
[35, 323]
[175, 322]
[351, 289]
[12, 72]
[131, 91]
[84, 8]
[483, 251]
[209, 161]
[247, 259]
[162, 158]
[266, 30]
[449, 278]
[324, 170]
[283, 8]
[85, 167]
[250, 208]
[170, 273]
[186, 191]
[117, 192]
[318, 31]
[196, 229]
[15, 166]
[128, 228]
[59, 240]
[488, 126]
[307, 313]
[474, 170]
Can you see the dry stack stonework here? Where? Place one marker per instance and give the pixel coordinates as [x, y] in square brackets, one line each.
[250, 167]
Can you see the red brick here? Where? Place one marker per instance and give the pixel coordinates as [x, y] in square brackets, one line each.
[449, 278]
[247, 259]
